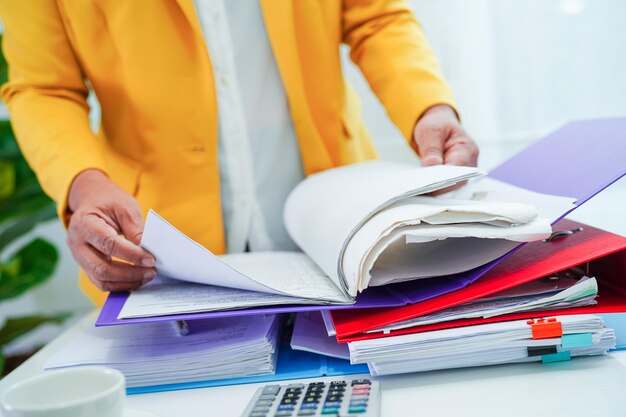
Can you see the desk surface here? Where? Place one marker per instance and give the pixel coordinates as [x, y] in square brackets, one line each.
[583, 387]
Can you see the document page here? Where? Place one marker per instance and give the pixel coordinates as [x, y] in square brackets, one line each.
[422, 237]
[164, 296]
[155, 353]
[415, 237]
[281, 273]
[323, 211]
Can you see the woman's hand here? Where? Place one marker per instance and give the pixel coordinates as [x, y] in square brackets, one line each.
[441, 139]
[106, 223]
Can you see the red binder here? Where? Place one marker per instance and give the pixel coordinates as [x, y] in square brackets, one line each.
[605, 252]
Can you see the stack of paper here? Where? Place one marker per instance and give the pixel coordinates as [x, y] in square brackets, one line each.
[156, 353]
[486, 344]
[575, 293]
[368, 236]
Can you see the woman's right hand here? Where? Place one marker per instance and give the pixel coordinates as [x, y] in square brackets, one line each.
[106, 223]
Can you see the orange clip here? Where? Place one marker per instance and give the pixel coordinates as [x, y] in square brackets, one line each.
[545, 329]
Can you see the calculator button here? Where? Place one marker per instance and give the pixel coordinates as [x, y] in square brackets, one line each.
[283, 413]
[293, 395]
[361, 381]
[360, 392]
[338, 382]
[310, 400]
[286, 407]
[263, 403]
[332, 404]
[316, 384]
[306, 412]
[335, 392]
[300, 386]
[271, 389]
[257, 414]
[293, 390]
[308, 406]
[267, 397]
[316, 388]
[333, 398]
[358, 403]
[355, 410]
[333, 410]
[359, 397]
[261, 408]
[288, 401]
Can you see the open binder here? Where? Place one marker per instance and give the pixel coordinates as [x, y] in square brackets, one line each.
[563, 163]
[578, 160]
[600, 253]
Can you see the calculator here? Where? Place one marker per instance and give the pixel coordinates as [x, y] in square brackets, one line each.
[345, 397]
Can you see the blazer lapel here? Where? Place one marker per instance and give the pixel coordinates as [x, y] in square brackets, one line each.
[189, 10]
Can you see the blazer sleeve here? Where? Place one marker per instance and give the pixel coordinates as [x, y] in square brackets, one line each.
[46, 97]
[389, 46]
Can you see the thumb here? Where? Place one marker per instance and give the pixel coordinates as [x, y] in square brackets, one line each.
[430, 146]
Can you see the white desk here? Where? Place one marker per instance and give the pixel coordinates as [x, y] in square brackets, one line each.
[582, 387]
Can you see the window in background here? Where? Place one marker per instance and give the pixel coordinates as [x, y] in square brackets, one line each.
[518, 68]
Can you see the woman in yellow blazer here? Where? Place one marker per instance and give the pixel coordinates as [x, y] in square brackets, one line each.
[157, 145]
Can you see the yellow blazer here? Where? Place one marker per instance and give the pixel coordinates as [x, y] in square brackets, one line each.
[148, 65]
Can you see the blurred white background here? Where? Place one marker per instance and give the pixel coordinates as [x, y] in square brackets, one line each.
[518, 69]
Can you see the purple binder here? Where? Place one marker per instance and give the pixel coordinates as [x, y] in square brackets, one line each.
[579, 160]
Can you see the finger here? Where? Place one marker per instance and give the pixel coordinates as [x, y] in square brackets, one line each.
[107, 273]
[130, 222]
[458, 156]
[430, 141]
[461, 150]
[106, 239]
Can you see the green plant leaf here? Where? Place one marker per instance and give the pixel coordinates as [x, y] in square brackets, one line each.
[7, 179]
[19, 225]
[8, 145]
[32, 265]
[18, 326]
[3, 67]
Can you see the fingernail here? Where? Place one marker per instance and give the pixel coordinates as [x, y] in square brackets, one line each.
[148, 276]
[432, 159]
[147, 262]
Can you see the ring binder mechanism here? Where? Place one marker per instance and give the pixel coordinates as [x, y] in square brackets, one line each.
[562, 233]
[545, 329]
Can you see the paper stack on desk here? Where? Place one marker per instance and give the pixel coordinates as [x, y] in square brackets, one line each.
[487, 344]
[550, 292]
[157, 353]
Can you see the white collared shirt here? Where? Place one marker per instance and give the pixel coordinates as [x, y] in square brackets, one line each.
[258, 152]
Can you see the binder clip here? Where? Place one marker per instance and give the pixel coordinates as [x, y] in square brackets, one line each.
[545, 329]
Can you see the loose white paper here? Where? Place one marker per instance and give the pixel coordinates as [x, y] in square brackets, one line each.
[323, 211]
[283, 273]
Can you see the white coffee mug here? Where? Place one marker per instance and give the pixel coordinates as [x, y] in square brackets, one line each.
[77, 392]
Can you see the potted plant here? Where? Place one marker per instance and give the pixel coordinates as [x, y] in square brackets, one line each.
[24, 263]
